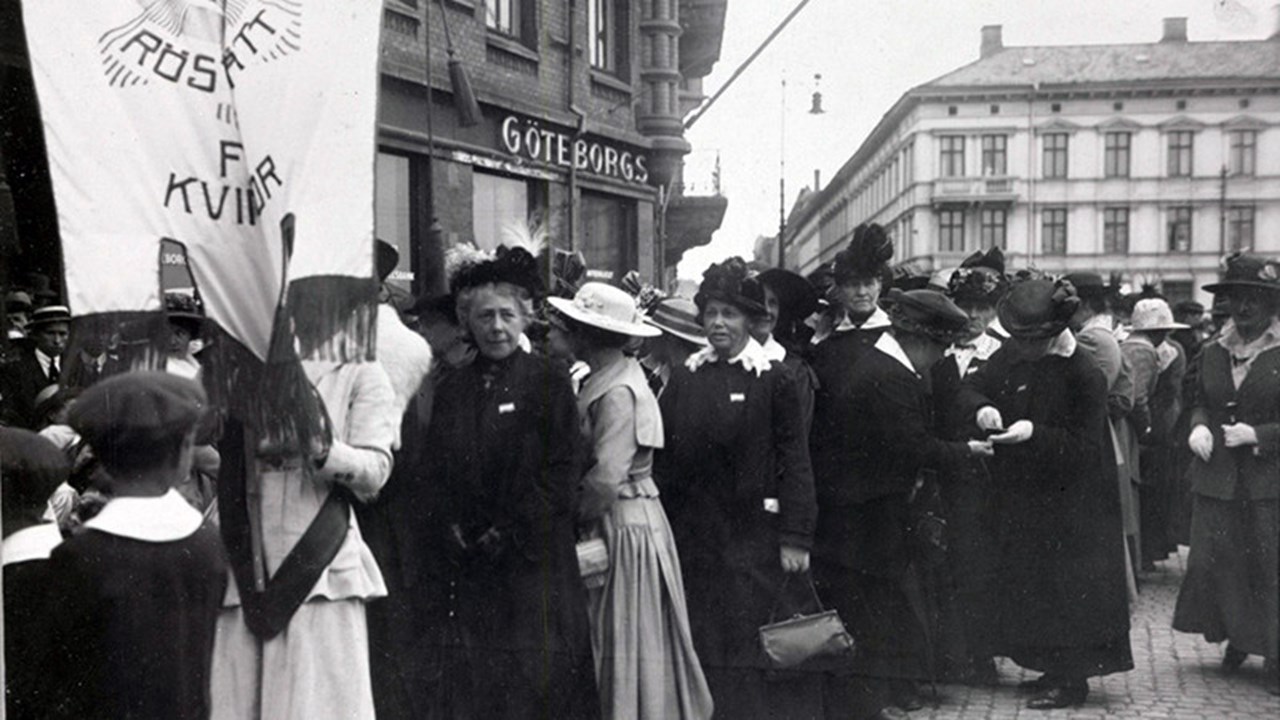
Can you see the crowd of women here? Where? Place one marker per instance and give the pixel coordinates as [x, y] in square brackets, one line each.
[598, 495]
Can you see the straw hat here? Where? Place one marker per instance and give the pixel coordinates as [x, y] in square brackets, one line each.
[49, 315]
[1154, 314]
[607, 308]
[678, 316]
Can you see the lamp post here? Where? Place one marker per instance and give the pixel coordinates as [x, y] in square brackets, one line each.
[815, 108]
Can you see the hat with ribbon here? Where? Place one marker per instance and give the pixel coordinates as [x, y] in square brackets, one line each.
[1247, 271]
[1037, 309]
[49, 315]
[928, 313]
[980, 278]
[678, 316]
[796, 296]
[1154, 314]
[606, 308]
[731, 282]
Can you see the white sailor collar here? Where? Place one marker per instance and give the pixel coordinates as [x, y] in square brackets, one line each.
[166, 518]
[878, 319]
[33, 543]
[889, 345]
[1063, 346]
[752, 358]
[774, 350]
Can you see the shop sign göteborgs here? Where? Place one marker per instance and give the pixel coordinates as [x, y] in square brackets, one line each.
[527, 139]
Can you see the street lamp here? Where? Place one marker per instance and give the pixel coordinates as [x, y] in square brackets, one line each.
[815, 108]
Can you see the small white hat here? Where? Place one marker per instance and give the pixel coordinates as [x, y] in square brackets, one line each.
[1154, 314]
[607, 308]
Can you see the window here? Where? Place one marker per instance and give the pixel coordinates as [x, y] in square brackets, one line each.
[1055, 155]
[503, 16]
[995, 224]
[1115, 157]
[994, 155]
[498, 202]
[1180, 229]
[609, 233]
[1180, 153]
[1115, 231]
[392, 212]
[952, 155]
[951, 231]
[1053, 231]
[909, 164]
[1240, 228]
[1244, 145]
[607, 24]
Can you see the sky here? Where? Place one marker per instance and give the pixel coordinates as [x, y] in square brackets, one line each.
[869, 54]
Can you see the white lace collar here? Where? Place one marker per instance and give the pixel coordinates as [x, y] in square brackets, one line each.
[752, 358]
[889, 345]
[1238, 348]
[151, 519]
[33, 543]
[878, 319]
[774, 350]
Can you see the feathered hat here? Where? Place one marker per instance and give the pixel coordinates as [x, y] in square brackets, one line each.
[732, 282]
[514, 261]
[867, 256]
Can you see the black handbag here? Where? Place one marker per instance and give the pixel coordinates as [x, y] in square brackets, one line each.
[791, 642]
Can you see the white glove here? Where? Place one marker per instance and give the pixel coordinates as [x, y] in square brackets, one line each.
[1239, 435]
[1201, 442]
[981, 448]
[989, 418]
[1019, 432]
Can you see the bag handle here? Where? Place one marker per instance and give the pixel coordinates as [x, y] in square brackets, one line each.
[773, 612]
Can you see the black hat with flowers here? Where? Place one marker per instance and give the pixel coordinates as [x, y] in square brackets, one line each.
[1036, 309]
[733, 282]
[1247, 271]
[980, 278]
[514, 266]
[867, 256]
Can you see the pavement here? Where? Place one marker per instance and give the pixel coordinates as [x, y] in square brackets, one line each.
[1175, 675]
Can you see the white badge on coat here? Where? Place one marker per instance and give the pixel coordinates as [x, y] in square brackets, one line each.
[737, 397]
[505, 408]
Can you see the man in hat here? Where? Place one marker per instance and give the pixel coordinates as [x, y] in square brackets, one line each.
[892, 440]
[17, 313]
[682, 335]
[36, 366]
[1191, 314]
[139, 590]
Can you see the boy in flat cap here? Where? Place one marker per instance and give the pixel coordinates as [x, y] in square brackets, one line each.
[139, 590]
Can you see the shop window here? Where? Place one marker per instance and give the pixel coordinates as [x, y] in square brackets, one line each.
[608, 234]
[393, 212]
[1179, 226]
[1053, 231]
[1180, 153]
[1055, 155]
[1115, 160]
[1240, 228]
[498, 203]
[1115, 230]
[951, 231]
[608, 23]
[995, 227]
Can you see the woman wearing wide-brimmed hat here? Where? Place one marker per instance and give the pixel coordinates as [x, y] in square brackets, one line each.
[1063, 608]
[504, 607]
[645, 660]
[682, 335]
[1230, 589]
[738, 485]
[788, 300]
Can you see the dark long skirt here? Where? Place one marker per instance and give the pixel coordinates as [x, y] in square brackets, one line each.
[1158, 501]
[966, 581]
[1230, 590]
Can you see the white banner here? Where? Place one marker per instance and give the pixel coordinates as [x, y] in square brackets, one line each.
[208, 122]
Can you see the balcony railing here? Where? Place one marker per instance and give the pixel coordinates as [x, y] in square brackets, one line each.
[974, 189]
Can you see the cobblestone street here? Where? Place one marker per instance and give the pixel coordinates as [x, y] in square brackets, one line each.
[1175, 675]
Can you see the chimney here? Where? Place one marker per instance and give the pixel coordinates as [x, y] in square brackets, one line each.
[992, 40]
[1275, 22]
[817, 179]
[1175, 30]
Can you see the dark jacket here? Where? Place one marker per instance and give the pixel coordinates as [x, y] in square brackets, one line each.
[1240, 472]
[831, 440]
[1057, 502]
[507, 618]
[21, 379]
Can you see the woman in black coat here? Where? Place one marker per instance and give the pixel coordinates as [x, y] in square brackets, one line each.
[1062, 609]
[739, 490]
[505, 605]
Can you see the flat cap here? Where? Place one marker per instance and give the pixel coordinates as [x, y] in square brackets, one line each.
[137, 410]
